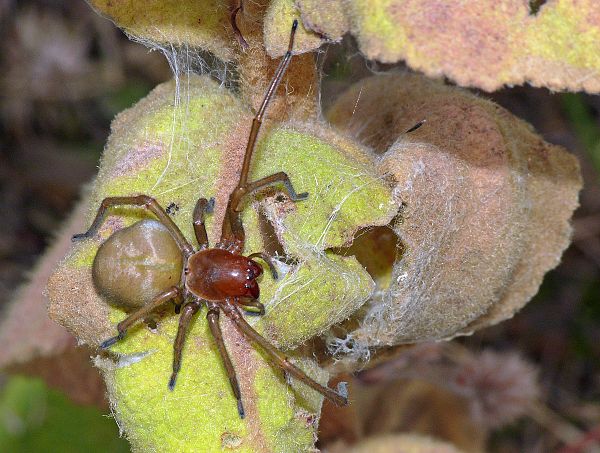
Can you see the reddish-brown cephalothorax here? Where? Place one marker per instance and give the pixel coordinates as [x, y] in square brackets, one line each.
[217, 274]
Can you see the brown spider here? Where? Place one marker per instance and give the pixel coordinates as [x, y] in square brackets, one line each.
[220, 277]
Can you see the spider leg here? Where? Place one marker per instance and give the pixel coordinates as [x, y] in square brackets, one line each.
[213, 322]
[233, 229]
[279, 357]
[142, 312]
[273, 179]
[143, 201]
[416, 126]
[184, 323]
[203, 206]
[254, 304]
[232, 234]
[267, 259]
[235, 8]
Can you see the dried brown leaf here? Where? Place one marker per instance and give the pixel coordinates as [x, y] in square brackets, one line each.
[485, 210]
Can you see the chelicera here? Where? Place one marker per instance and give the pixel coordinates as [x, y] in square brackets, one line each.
[219, 277]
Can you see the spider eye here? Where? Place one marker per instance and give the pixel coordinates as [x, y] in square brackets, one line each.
[254, 270]
[252, 289]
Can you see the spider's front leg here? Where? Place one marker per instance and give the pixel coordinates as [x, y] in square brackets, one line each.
[233, 230]
[232, 234]
[142, 201]
[203, 207]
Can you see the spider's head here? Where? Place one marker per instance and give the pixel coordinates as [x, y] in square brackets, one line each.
[253, 271]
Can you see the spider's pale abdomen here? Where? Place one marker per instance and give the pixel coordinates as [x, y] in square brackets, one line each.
[137, 263]
[216, 274]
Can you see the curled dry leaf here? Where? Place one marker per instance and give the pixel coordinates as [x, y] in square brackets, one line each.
[485, 207]
[178, 154]
[485, 44]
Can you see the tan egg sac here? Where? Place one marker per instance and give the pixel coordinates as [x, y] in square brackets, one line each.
[485, 206]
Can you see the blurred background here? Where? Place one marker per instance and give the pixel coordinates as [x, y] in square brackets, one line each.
[529, 384]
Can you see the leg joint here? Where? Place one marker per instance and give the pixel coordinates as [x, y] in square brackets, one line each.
[146, 200]
[213, 314]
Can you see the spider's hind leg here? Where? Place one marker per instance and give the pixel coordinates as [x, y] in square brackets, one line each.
[185, 319]
[338, 398]
[215, 328]
[141, 313]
